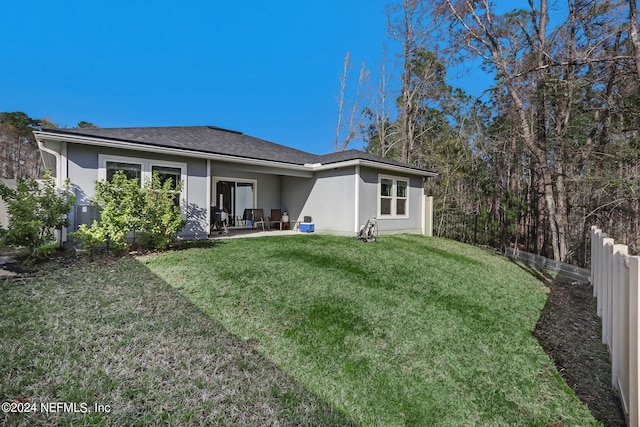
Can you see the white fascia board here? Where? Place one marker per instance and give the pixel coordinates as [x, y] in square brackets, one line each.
[376, 165]
[78, 139]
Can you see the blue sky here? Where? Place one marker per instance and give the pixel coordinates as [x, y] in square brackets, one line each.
[268, 69]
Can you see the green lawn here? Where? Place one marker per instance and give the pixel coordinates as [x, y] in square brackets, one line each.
[112, 333]
[292, 330]
[407, 331]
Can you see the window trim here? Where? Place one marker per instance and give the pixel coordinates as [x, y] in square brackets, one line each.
[394, 196]
[146, 170]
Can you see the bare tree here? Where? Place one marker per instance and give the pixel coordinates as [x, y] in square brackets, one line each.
[19, 154]
[501, 43]
[405, 24]
[346, 132]
[633, 34]
[379, 111]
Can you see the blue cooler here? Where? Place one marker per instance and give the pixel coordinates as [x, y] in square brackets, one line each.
[307, 227]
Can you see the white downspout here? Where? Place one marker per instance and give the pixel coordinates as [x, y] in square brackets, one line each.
[356, 226]
[60, 176]
[59, 180]
[209, 196]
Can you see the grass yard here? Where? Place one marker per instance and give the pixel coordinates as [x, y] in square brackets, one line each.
[292, 330]
[408, 331]
[112, 333]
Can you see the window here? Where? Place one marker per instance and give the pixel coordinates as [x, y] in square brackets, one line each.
[401, 197]
[394, 197]
[143, 169]
[173, 175]
[166, 173]
[131, 170]
[386, 196]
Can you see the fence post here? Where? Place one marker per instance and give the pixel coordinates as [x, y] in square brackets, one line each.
[595, 265]
[427, 210]
[634, 340]
[606, 291]
[602, 270]
[602, 253]
[618, 314]
[612, 289]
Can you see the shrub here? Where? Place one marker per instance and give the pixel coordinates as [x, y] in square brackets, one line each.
[35, 211]
[150, 213]
[161, 216]
[90, 237]
[121, 201]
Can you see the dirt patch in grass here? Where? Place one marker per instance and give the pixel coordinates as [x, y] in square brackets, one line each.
[569, 330]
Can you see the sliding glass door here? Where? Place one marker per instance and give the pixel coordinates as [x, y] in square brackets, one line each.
[236, 197]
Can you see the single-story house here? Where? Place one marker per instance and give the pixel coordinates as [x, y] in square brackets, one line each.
[339, 191]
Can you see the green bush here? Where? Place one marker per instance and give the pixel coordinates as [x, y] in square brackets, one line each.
[149, 213]
[35, 211]
[121, 201]
[161, 216]
[90, 237]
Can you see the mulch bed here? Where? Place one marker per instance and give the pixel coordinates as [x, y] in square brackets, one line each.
[569, 330]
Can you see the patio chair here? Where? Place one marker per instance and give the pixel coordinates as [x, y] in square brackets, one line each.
[258, 218]
[276, 218]
[247, 217]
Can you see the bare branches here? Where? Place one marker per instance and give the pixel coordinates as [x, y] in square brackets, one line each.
[633, 34]
[557, 141]
[343, 87]
[345, 133]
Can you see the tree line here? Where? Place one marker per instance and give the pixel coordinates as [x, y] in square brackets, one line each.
[552, 146]
[19, 153]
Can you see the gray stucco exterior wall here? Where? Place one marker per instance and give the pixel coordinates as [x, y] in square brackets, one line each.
[369, 194]
[267, 183]
[339, 200]
[83, 164]
[328, 198]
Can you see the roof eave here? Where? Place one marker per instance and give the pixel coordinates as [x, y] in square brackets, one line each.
[114, 143]
[373, 164]
[307, 167]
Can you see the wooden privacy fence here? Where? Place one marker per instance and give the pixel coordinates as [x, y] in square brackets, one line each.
[616, 280]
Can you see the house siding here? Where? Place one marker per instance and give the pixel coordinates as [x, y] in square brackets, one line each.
[369, 203]
[267, 187]
[82, 166]
[328, 198]
[4, 214]
[339, 195]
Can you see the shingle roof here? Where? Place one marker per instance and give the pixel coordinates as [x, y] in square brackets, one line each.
[215, 140]
[343, 156]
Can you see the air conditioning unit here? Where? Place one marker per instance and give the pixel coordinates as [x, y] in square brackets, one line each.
[86, 214]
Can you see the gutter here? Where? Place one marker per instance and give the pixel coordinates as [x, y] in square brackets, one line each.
[307, 167]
